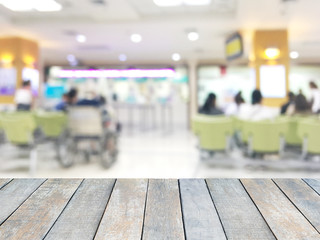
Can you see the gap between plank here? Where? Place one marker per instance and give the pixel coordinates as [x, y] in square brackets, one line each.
[114, 184]
[6, 183]
[145, 209]
[310, 186]
[295, 205]
[215, 207]
[63, 210]
[258, 209]
[23, 201]
[183, 224]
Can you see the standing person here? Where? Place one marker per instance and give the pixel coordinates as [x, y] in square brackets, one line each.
[23, 97]
[315, 99]
[209, 107]
[285, 106]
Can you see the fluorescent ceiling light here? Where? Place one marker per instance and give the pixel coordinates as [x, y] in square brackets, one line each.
[173, 3]
[294, 55]
[168, 3]
[81, 38]
[197, 2]
[176, 57]
[116, 73]
[193, 36]
[136, 38]
[24, 5]
[47, 6]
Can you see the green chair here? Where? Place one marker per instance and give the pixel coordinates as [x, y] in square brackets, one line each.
[215, 133]
[266, 136]
[19, 129]
[53, 126]
[309, 131]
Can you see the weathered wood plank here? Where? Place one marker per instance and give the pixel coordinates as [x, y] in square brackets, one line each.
[81, 217]
[4, 181]
[303, 197]
[314, 184]
[282, 216]
[123, 218]
[37, 215]
[201, 220]
[14, 194]
[163, 217]
[239, 216]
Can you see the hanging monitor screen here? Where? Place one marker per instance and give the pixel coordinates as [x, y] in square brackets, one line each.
[273, 81]
[234, 47]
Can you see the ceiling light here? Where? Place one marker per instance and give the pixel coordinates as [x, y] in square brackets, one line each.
[47, 6]
[294, 55]
[81, 38]
[71, 58]
[197, 2]
[272, 53]
[122, 57]
[193, 36]
[136, 38]
[24, 6]
[176, 57]
[168, 3]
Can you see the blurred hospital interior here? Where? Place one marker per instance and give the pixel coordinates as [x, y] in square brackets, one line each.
[159, 88]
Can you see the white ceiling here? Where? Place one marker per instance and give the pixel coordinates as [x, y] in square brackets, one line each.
[108, 29]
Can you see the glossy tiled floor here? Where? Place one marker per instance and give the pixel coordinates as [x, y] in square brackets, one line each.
[161, 155]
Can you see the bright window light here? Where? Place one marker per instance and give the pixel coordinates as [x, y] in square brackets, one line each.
[197, 2]
[81, 38]
[24, 6]
[193, 36]
[176, 57]
[294, 55]
[168, 3]
[136, 38]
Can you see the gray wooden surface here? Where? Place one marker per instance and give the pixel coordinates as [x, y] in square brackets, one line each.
[200, 217]
[282, 216]
[138, 209]
[163, 217]
[239, 216]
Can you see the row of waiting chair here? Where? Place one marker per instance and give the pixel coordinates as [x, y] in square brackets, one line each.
[267, 136]
[19, 129]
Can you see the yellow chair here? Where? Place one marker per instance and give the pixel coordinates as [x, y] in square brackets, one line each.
[309, 131]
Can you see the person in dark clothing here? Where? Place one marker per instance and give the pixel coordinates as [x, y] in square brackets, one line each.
[256, 97]
[209, 107]
[285, 106]
[62, 106]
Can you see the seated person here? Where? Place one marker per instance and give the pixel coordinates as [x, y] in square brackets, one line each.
[300, 106]
[233, 108]
[23, 97]
[89, 100]
[62, 106]
[284, 107]
[257, 111]
[209, 107]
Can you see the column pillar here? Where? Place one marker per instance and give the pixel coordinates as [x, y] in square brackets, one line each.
[17, 55]
[270, 48]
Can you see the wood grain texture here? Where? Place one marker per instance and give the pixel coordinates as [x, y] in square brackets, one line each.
[282, 216]
[314, 184]
[123, 218]
[303, 197]
[163, 217]
[14, 194]
[81, 217]
[4, 181]
[239, 216]
[37, 215]
[200, 217]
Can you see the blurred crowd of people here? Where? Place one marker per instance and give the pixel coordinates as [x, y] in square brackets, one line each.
[297, 105]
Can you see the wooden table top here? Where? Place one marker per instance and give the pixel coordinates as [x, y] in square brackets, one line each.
[159, 209]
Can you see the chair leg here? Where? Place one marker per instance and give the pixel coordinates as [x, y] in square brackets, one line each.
[282, 146]
[304, 153]
[33, 161]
